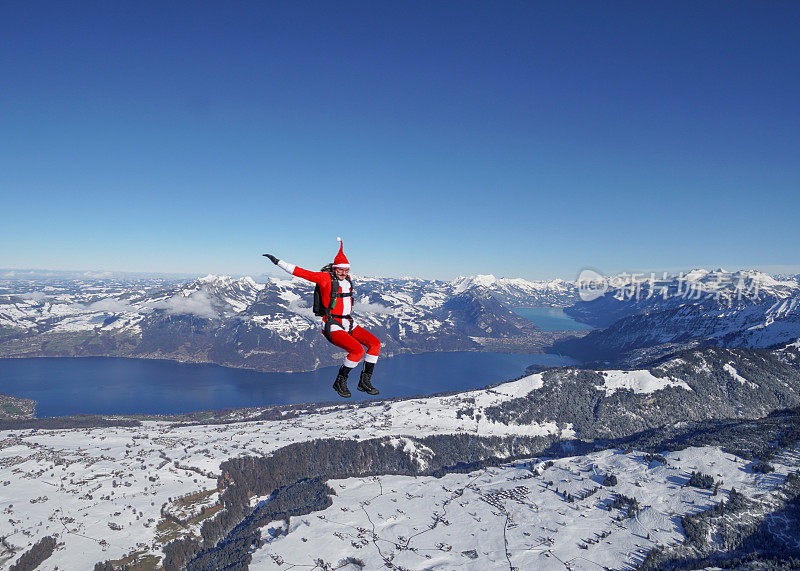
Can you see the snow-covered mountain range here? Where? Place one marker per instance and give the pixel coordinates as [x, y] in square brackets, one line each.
[520, 292]
[242, 323]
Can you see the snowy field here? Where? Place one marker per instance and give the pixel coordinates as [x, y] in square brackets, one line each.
[109, 493]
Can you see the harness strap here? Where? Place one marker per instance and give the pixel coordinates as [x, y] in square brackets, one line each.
[330, 316]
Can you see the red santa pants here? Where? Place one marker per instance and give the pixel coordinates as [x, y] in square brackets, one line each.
[352, 343]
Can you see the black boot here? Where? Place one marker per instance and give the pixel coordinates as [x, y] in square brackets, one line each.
[340, 384]
[364, 383]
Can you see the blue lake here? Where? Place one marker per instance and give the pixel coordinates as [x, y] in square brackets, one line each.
[550, 318]
[65, 386]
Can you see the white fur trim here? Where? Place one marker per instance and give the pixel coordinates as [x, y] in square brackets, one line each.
[286, 266]
[370, 358]
[350, 364]
[338, 239]
[341, 266]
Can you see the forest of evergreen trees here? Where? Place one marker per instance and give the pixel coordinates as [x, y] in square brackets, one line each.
[34, 557]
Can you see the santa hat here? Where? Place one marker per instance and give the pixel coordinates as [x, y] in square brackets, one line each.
[340, 261]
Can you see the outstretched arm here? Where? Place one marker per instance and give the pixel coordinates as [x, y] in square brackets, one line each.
[316, 277]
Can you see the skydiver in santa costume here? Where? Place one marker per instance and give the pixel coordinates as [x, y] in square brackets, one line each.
[334, 303]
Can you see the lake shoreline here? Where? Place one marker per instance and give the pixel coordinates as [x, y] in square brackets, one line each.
[486, 349]
[67, 386]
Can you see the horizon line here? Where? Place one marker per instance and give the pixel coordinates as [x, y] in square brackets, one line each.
[774, 270]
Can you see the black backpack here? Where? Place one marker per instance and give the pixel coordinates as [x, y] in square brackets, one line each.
[319, 308]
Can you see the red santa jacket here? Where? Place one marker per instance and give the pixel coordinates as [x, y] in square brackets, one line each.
[342, 306]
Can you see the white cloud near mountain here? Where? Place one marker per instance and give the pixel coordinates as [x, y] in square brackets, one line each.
[198, 303]
[111, 305]
[362, 307]
[34, 296]
[301, 308]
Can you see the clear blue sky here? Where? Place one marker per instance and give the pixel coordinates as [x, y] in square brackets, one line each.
[438, 139]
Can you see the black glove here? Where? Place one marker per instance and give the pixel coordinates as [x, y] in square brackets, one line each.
[272, 258]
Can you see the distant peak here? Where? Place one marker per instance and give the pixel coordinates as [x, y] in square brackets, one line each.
[210, 278]
[484, 279]
[463, 283]
[223, 281]
[697, 274]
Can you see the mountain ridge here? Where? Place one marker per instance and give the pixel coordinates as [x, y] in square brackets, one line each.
[241, 323]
